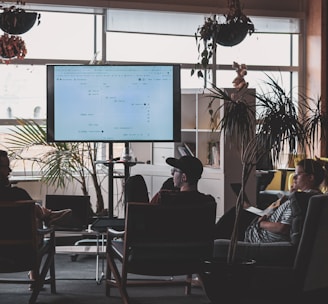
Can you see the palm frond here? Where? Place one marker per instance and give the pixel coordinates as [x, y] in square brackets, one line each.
[238, 121]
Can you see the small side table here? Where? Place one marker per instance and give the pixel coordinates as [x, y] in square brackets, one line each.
[99, 249]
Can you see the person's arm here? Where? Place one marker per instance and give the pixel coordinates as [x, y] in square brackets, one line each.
[278, 228]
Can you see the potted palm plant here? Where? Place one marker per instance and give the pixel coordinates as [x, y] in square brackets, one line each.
[282, 125]
[61, 163]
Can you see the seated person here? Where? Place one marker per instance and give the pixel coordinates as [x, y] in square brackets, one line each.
[186, 173]
[285, 223]
[9, 193]
[136, 189]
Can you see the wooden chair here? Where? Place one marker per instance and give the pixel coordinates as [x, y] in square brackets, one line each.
[160, 240]
[23, 247]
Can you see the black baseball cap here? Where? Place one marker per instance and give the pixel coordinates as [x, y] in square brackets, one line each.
[189, 165]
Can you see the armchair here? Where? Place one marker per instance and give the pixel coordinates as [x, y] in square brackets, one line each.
[286, 271]
[23, 248]
[160, 240]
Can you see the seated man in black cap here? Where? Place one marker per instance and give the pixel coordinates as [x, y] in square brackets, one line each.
[186, 173]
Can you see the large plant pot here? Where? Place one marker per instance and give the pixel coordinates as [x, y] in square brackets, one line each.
[231, 34]
[17, 22]
[227, 283]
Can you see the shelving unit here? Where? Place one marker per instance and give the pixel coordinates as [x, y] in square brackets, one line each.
[195, 120]
[196, 129]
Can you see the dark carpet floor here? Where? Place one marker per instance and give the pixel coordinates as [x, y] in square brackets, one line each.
[76, 284]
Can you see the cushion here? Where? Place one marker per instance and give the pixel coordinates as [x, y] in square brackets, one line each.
[269, 254]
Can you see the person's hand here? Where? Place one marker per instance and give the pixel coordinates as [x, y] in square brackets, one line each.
[246, 205]
[262, 218]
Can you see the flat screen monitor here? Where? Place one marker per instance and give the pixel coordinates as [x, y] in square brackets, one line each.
[113, 103]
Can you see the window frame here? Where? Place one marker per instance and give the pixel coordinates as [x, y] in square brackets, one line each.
[100, 41]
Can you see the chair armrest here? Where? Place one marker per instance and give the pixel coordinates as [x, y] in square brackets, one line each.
[278, 253]
[46, 230]
[47, 235]
[112, 233]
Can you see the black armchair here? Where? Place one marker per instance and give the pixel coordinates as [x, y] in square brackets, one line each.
[160, 240]
[287, 271]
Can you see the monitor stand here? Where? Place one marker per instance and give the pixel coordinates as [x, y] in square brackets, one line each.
[128, 160]
[127, 154]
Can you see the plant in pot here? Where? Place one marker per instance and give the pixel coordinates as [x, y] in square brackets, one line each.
[61, 163]
[15, 21]
[277, 124]
[229, 33]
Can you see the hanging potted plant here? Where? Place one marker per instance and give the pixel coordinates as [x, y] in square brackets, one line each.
[16, 21]
[237, 25]
[12, 47]
[228, 33]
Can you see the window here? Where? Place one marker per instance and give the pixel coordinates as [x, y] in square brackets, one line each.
[22, 91]
[64, 36]
[75, 37]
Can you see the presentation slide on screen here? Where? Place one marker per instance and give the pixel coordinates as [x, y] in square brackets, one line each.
[113, 102]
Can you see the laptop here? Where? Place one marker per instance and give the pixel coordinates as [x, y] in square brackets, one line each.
[81, 211]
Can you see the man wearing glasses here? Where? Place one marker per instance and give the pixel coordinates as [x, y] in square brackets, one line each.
[186, 172]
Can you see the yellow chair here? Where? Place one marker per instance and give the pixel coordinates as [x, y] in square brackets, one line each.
[275, 183]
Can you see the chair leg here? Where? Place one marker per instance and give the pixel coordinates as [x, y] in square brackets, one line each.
[188, 285]
[52, 277]
[39, 282]
[51, 262]
[118, 279]
[108, 278]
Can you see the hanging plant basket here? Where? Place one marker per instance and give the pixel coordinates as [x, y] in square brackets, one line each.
[16, 21]
[231, 34]
[214, 32]
[12, 47]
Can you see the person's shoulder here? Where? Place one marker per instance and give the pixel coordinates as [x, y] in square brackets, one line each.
[15, 193]
[299, 201]
[302, 197]
[187, 197]
[205, 197]
[163, 195]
